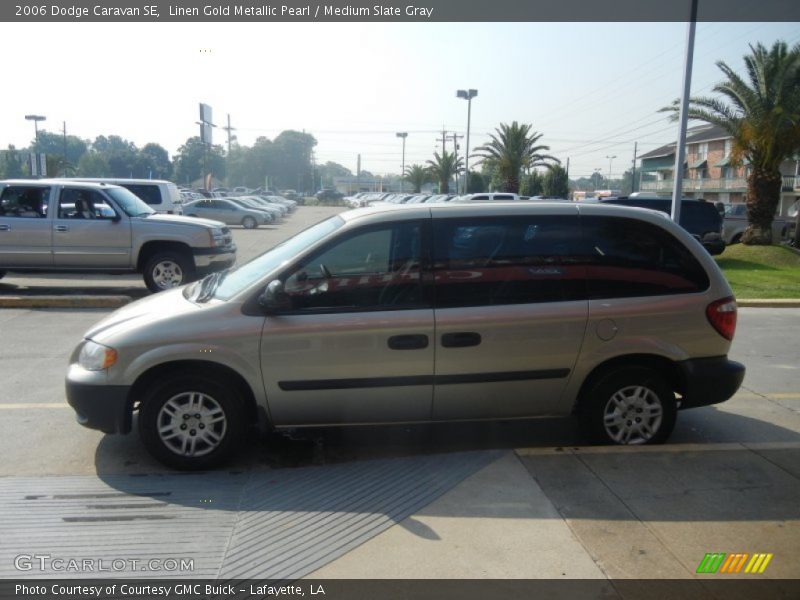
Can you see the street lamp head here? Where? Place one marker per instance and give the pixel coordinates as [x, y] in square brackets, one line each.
[466, 94]
[35, 118]
[402, 134]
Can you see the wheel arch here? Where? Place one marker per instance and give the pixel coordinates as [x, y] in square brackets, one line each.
[215, 370]
[669, 369]
[149, 249]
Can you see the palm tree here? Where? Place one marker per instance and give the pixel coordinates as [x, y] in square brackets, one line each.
[762, 115]
[512, 150]
[442, 168]
[417, 176]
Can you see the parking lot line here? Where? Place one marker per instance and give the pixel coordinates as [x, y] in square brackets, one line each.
[24, 405]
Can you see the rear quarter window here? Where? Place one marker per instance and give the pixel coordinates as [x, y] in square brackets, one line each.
[629, 258]
[149, 193]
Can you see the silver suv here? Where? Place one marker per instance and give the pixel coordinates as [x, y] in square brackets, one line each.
[49, 225]
[419, 314]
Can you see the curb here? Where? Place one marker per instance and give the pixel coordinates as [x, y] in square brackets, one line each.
[769, 303]
[64, 301]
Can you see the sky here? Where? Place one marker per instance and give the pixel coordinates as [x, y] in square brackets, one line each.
[591, 89]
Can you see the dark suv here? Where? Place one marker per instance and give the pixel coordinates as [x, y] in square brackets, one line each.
[698, 217]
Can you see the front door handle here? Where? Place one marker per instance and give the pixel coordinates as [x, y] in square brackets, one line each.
[61, 228]
[408, 342]
[461, 339]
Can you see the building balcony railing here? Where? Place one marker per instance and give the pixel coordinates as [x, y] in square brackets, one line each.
[733, 184]
[736, 184]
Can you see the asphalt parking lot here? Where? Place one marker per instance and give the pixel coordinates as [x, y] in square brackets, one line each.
[503, 500]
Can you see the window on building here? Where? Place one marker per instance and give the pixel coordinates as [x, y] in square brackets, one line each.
[728, 147]
[702, 151]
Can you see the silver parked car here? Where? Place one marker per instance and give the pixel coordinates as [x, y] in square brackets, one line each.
[423, 313]
[230, 213]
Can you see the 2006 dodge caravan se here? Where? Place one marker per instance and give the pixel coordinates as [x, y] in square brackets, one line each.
[422, 314]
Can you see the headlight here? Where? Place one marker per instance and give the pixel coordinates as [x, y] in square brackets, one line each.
[96, 357]
[217, 237]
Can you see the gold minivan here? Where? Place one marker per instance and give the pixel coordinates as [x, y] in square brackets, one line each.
[420, 314]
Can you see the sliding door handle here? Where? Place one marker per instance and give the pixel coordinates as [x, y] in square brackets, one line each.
[408, 342]
[461, 339]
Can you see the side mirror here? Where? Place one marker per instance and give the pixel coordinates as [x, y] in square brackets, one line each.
[274, 298]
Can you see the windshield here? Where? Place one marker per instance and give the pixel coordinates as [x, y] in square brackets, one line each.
[129, 202]
[249, 273]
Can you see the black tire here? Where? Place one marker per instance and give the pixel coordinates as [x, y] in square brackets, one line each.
[217, 398]
[2, 274]
[737, 238]
[168, 269]
[249, 223]
[614, 403]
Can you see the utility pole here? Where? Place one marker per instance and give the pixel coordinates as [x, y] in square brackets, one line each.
[403, 135]
[444, 138]
[456, 137]
[683, 117]
[228, 130]
[633, 169]
[65, 148]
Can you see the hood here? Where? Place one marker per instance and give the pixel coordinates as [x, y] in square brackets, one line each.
[151, 310]
[180, 220]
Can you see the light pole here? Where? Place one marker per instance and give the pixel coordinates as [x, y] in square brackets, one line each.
[35, 119]
[610, 159]
[467, 95]
[404, 135]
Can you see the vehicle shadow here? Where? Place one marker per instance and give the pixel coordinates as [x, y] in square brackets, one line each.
[731, 455]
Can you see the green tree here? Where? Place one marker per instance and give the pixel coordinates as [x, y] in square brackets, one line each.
[417, 176]
[11, 165]
[512, 149]
[52, 144]
[58, 167]
[329, 171]
[556, 182]
[92, 164]
[293, 160]
[761, 112]
[532, 184]
[475, 183]
[119, 154]
[443, 168]
[191, 158]
[153, 162]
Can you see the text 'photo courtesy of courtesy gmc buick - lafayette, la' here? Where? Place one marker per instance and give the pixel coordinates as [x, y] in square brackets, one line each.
[422, 314]
[64, 225]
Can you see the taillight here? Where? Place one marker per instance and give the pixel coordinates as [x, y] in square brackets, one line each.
[722, 316]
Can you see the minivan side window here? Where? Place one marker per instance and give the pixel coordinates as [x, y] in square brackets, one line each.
[507, 260]
[375, 269]
[629, 258]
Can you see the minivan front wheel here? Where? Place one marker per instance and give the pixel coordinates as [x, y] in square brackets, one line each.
[630, 406]
[191, 423]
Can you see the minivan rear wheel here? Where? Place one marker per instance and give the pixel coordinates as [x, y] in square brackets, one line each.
[630, 406]
[191, 422]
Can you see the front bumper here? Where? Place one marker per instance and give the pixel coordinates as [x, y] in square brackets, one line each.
[210, 260]
[709, 380]
[103, 407]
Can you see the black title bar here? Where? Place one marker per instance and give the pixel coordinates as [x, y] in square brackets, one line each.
[419, 11]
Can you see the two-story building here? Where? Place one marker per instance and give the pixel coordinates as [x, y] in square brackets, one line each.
[707, 170]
